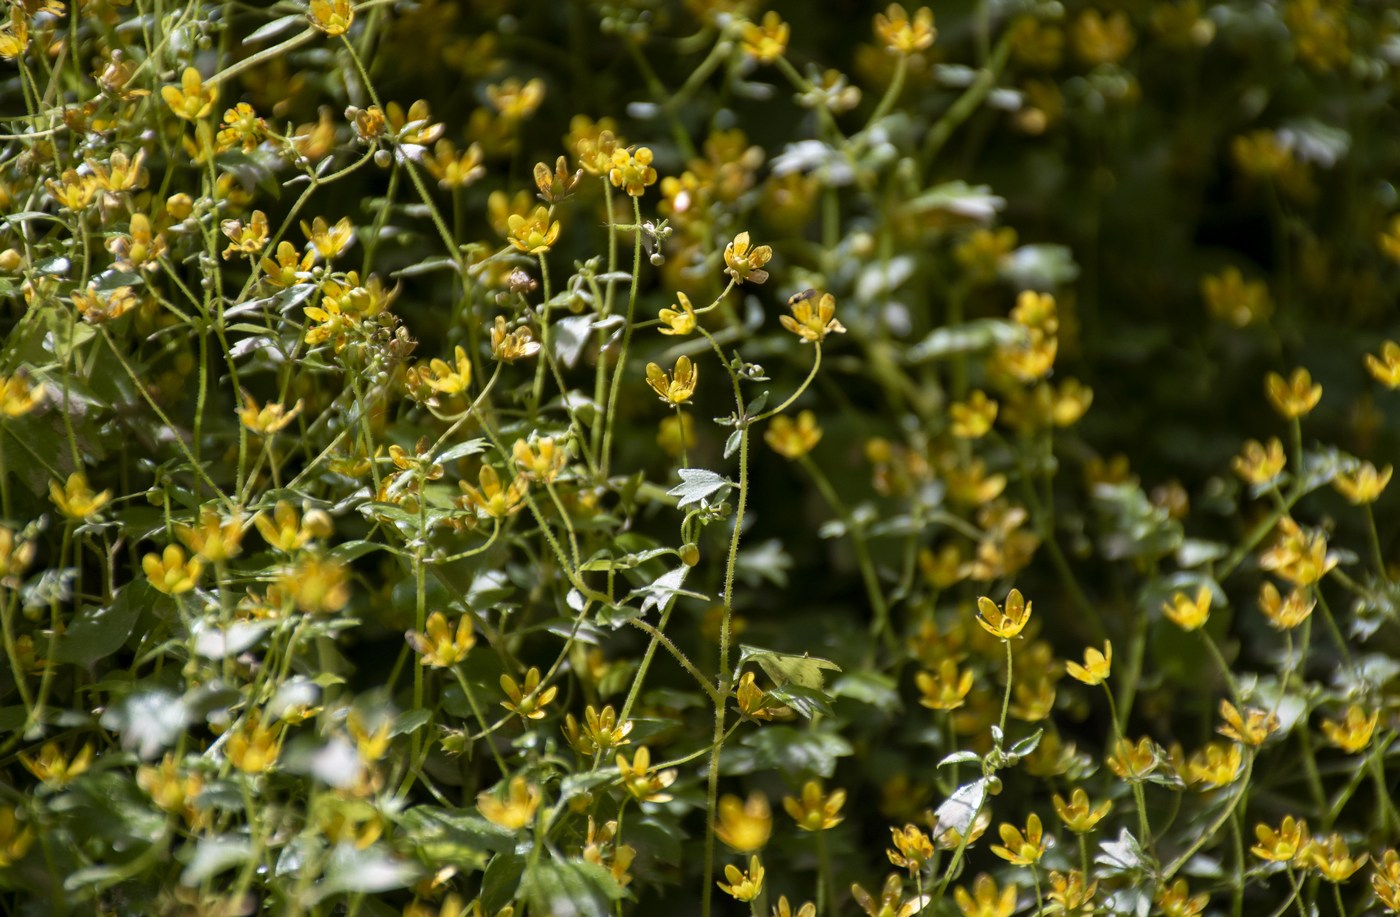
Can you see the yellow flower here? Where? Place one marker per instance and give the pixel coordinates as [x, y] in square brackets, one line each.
[334, 17]
[1234, 300]
[518, 808]
[680, 321]
[329, 241]
[75, 499]
[287, 531]
[416, 126]
[533, 235]
[901, 35]
[213, 539]
[1018, 849]
[1385, 368]
[947, 690]
[1386, 880]
[743, 262]
[440, 646]
[241, 127]
[317, 585]
[816, 811]
[601, 730]
[595, 152]
[767, 42]
[743, 886]
[192, 100]
[509, 346]
[55, 770]
[912, 848]
[1176, 900]
[988, 900]
[15, 556]
[1295, 397]
[492, 499]
[447, 379]
[1077, 814]
[18, 396]
[982, 252]
[1258, 463]
[793, 440]
[1390, 240]
[514, 100]
[632, 171]
[1096, 667]
[1187, 613]
[811, 325]
[1333, 859]
[1299, 556]
[454, 170]
[15, 841]
[1363, 483]
[1004, 623]
[645, 787]
[1353, 732]
[676, 387]
[1215, 766]
[97, 308]
[1071, 893]
[138, 248]
[73, 192]
[558, 185]
[1102, 40]
[784, 909]
[1251, 728]
[282, 270]
[973, 418]
[527, 700]
[254, 747]
[268, 419]
[1134, 761]
[544, 460]
[168, 789]
[1283, 845]
[14, 34]
[247, 240]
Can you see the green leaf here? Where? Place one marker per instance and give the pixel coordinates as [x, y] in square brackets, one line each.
[370, 870]
[98, 632]
[212, 856]
[804, 701]
[454, 835]
[570, 888]
[462, 450]
[785, 668]
[501, 882]
[972, 337]
[797, 752]
[958, 810]
[699, 487]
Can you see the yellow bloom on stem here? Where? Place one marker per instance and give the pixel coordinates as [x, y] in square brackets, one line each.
[288, 531]
[509, 346]
[891, 903]
[265, 420]
[170, 573]
[440, 646]
[743, 886]
[213, 539]
[1234, 300]
[526, 699]
[643, 786]
[191, 100]
[793, 440]
[534, 234]
[1100, 39]
[1176, 900]
[810, 324]
[745, 262]
[784, 909]
[946, 690]
[75, 499]
[1294, 397]
[18, 396]
[559, 184]
[1188, 613]
[973, 418]
[1259, 463]
[254, 747]
[902, 35]
[1215, 765]
[282, 269]
[492, 499]
[766, 42]
[1251, 727]
[675, 387]
[678, 321]
[450, 379]
[329, 241]
[1005, 622]
[317, 585]
[1019, 849]
[986, 899]
[16, 841]
[1385, 368]
[1333, 860]
[514, 812]
[632, 171]
[913, 849]
[543, 460]
[1134, 761]
[52, 768]
[1077, 814]
[1285, 614]
[1353, 732]
[14, 34]
[334, 17]
[601, 730]
[514, 100]
[1283, 845]
[1096, 667]
[1386, 880]
[1072, 893]
[1363, 483]
[1299, 556]
[816, 811]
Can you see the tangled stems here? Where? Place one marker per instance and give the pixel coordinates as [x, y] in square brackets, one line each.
[610, 423]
